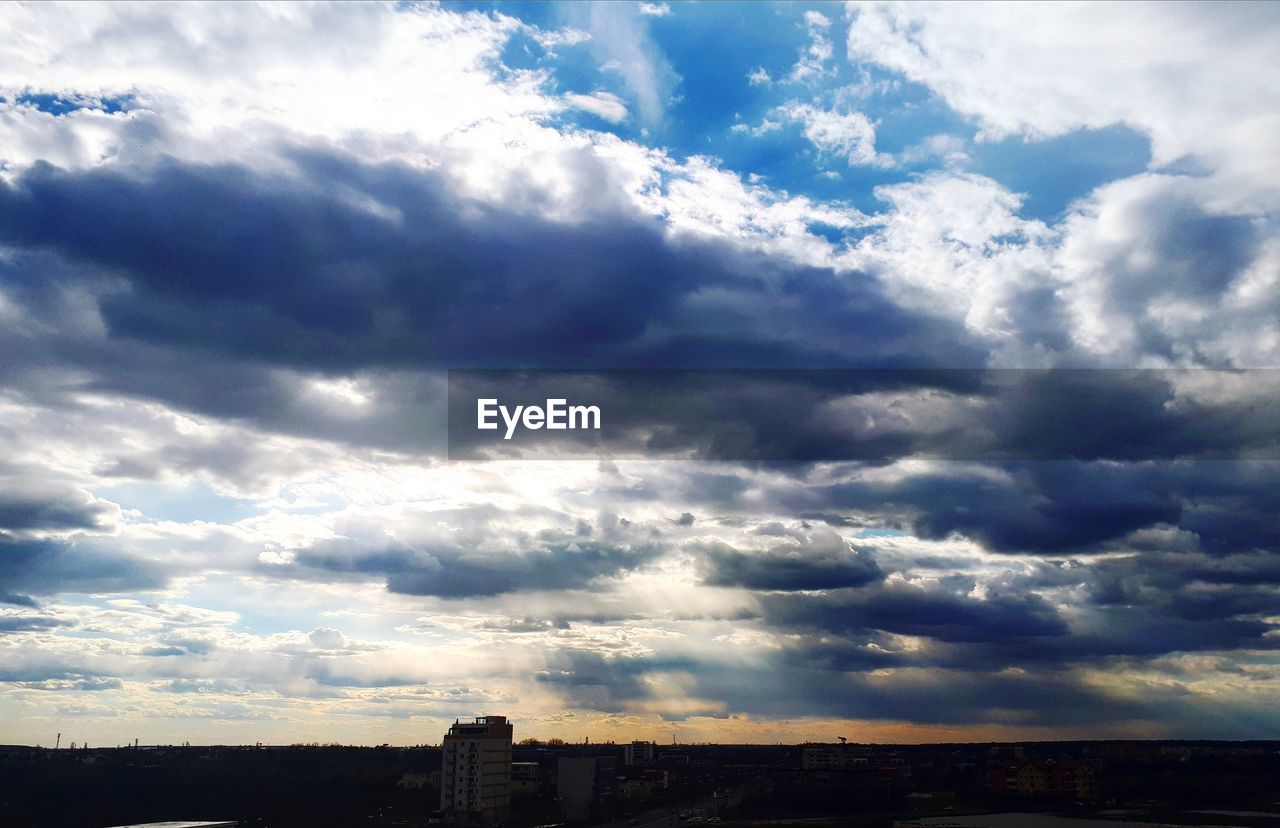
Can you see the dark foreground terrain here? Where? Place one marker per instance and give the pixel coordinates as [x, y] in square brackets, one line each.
[1182, 783]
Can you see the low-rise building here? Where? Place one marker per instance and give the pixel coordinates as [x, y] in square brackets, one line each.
[524, 778]
[1047, 778]
[833, 757]
[418, 781]
[637, 788]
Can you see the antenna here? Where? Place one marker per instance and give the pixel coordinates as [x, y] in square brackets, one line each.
[58, 743]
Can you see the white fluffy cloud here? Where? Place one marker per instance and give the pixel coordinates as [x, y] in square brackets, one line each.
[206, 75]
[814, 58]
[955, 244]
[604, 104]
[1192, 77]
[849, 135]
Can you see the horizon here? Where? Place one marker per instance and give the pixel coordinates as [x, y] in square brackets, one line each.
[554, 742]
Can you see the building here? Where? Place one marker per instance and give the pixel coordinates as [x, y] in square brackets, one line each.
[416, 781]
[638, 753]
[524, 778]
[1059, 779]
[585, 786]
[475, 784]
[636, 789]
[833, 757]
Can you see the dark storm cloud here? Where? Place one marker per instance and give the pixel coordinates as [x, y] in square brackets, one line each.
[878, 414]
[225, 290]
[405, 411]
[906, 609]
[33, 508]
[783, 568]
[1231, 508]
[930, 696]
[1251, 570]
[1055, 507]
[592, 680]
[1008, 659]
[838, 655]
[1134, 415]
[787, 684]
[45, 567]
[453, 573]
[30, 623]
[1112, 637]
[1136, 607]
[380, 270]
[300, 271]
[1008, 507]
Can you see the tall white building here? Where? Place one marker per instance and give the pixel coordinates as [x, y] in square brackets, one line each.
[475, 780]
[638, 753]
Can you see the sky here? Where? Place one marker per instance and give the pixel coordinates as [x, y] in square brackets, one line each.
[241, 246]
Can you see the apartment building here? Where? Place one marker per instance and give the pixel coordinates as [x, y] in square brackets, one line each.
[475, 787]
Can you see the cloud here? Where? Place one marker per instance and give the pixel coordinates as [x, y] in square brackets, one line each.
[1154, 271]
[447, 568]
[90, 684]
[850, 135]
[327, 638]
[819, 564]
[391, 295]
[620, 41]
[15, 622]
[25, 509]
[956, 243]
[602, 104]
[1034, 506]
[812, 65]
[1197, 214]
[883, 414]
[221, 74]
[1062, 69]
[906, 609]
[763, 128]
[236, 262]
[42, 567]
[436, 280]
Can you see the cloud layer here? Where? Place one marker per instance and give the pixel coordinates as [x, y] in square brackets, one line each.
[979, 482]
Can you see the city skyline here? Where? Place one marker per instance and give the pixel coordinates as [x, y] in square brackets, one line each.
[242, 248]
